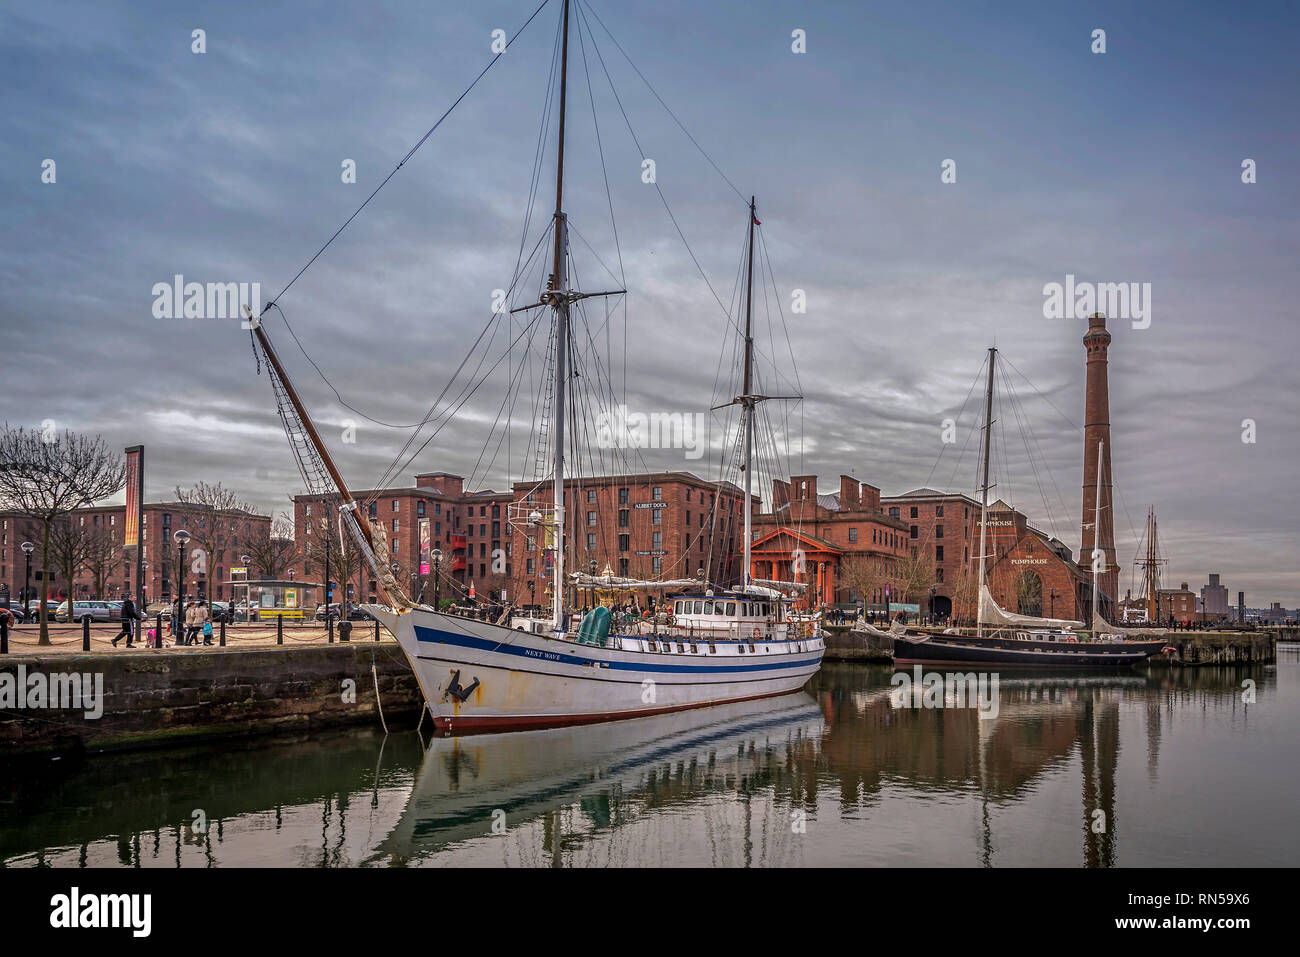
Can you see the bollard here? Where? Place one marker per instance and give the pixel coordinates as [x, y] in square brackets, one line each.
[376, 629]
[329, 621]
[85, 634]
[4, 634]
[223, 634]
[279, 629]
[345, 631]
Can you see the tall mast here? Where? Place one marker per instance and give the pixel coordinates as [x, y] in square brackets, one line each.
[1097, 553]
[984, 492]
[274, 361]
[560, 303]
[747, 399]
[1151, 569]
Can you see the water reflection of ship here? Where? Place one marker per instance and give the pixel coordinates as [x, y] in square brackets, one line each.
[610, 773]
[1041, 721]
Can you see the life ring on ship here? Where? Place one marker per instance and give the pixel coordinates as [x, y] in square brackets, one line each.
[756, 631]
[1072, 639]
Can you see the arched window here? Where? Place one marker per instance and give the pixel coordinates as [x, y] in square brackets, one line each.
[1029, 594]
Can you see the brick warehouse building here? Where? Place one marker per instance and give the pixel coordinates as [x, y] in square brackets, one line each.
[941, 525]
[1030, 572]
[849, 547]
[467, 527]
[651, 525]
[636, 525]
[228, 536]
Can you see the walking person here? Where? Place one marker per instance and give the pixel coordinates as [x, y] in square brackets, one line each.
[129, 618]
[205, 622]
[193, 622]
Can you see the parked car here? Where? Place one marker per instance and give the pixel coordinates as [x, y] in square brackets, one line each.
[334, 611]
[244, 613]
[221, 611]
[360, 614]
[86, 610]
[18, 613]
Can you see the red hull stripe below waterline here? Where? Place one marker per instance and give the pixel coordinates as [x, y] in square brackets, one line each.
[527, 722]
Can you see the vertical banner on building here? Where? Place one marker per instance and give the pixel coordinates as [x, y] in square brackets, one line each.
[131, 537]
[424, 546]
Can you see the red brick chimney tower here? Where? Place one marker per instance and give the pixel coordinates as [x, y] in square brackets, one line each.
[1096, 429]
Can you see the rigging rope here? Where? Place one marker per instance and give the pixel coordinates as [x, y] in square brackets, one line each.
[411, 152]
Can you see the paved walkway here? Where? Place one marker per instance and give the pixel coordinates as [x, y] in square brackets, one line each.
[67, 639]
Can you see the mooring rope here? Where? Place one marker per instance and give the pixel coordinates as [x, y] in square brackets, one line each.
[374, 672]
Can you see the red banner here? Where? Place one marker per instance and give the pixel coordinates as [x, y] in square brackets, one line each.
[134, 477]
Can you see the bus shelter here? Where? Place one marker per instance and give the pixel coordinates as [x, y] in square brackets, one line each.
[270, 598]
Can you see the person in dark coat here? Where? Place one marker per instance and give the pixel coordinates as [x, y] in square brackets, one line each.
[129, 617]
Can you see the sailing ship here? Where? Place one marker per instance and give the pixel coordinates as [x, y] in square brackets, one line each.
[716, 646]
[1010, 639]
[1150, 563]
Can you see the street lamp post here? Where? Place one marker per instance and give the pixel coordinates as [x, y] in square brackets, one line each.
[325, 530]
[28, 548]
[182, 538]
[437, 566]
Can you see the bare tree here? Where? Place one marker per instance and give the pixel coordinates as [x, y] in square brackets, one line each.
[1029, 594]
[213, 514]
[322, 545]
[70, 550]
[964, 592]
[274, 555]
[102, 551]
[45, 476]
[863, 574]
[915, 573]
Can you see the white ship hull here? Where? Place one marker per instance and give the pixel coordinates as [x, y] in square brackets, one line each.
[530, 680]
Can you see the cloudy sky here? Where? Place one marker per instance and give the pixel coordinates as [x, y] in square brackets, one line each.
[1122, 166]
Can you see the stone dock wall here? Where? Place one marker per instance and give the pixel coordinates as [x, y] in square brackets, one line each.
[153, 698]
